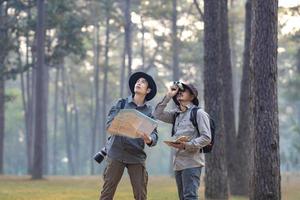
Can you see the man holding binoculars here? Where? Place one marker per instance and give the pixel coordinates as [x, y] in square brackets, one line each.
[189, 158]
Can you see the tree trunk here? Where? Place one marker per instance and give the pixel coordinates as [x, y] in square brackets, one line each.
[46, 94]
[26, 99]
[76, 142]
[3, 54]
[298, 74]
[128, 37]
[244, 137]
[26, 92]
[175, 53]
[298, 61]
[91, 122]
[143, 43]
[28, 104]
[175, 64]
[55, 152]
[123, 69]
[228, 98]
[216, 170]
[31, 105]
[106, 67]
[96, 110]
[266, 174]
[22, 81]
[67, 120]
[2, 121]
[127, 49]
[31, 102]
[32, 116]
[37, 172]
[96, 127]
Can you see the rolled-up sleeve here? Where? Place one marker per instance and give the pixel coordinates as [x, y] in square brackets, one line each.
[205, 134]
[160, 112]
[154, 138]
[154, 134]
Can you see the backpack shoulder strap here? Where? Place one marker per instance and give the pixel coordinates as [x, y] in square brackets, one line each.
[123, 102]
[193, 118]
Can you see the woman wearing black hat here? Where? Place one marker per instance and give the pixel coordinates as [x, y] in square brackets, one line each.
[127, 152]
[188, 159]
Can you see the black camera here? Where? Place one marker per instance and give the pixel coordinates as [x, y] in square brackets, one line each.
[99, 156]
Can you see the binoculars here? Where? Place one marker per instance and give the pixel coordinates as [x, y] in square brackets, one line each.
[179, 85]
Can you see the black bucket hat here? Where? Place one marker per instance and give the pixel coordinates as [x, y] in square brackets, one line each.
[193, 91]
[133, 79]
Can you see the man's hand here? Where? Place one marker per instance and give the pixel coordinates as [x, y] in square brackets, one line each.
[180, 145]
[147, 139]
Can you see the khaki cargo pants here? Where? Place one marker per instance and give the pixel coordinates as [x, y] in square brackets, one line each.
[113, 174]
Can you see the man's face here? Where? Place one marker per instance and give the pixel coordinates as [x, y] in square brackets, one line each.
[185, 96]
[141, 87]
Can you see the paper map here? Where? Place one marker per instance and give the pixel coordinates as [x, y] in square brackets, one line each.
[129, 122]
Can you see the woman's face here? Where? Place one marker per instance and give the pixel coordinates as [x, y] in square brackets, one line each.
[185, 96]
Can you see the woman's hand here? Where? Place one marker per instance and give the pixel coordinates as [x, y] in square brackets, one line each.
[173, 90]
[180, 145]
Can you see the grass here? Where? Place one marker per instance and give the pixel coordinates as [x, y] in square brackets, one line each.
[87, 188]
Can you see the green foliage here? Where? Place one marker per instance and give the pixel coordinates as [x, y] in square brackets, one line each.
[64, 18]
[9, 26]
